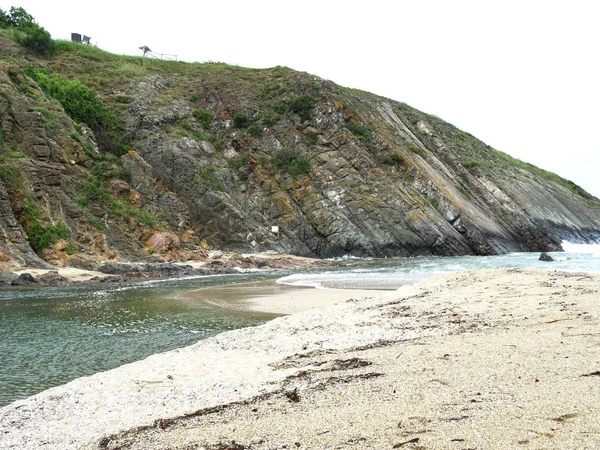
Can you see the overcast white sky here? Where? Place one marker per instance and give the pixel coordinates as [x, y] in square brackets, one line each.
[523, 76]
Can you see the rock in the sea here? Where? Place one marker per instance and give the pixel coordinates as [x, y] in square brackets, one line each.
[24, 279]
[546, 257]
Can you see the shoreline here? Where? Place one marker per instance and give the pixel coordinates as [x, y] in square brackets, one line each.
[268, 296]
[487, 358]
[110, 271]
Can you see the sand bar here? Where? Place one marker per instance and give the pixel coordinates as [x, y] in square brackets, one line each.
[489, 359]
[270, 297]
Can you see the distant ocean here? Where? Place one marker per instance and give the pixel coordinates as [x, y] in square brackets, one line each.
[361, 273]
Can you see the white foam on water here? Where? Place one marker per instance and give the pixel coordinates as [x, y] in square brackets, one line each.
[351, 280]
[569, 247]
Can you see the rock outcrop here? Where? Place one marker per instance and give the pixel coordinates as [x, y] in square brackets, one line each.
[216, 156]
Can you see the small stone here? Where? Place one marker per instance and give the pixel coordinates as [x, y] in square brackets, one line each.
[546, 257]
[215, 254]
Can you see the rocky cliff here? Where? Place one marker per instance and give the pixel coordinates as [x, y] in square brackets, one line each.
[114, 157]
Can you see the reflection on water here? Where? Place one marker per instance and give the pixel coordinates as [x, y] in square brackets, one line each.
[49, 336]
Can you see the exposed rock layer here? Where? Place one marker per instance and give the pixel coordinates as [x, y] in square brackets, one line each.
[219, 155]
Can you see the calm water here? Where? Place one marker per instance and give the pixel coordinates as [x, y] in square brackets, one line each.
[49, 336]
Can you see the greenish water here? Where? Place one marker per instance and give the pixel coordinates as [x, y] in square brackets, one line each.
[49, 336]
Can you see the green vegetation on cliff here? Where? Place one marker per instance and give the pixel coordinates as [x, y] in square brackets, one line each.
[82, 104]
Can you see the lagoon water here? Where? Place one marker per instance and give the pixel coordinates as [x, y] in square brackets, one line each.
[49, 336]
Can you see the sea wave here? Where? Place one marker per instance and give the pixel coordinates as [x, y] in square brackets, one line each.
[352, 280]
[570, 247]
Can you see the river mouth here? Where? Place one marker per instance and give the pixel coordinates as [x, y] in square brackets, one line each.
[52, 335]
[49, 336]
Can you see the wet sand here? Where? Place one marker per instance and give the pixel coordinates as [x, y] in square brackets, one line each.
[271, 297]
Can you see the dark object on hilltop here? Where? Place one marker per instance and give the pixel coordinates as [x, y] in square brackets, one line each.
[80, 39]
[546, 257]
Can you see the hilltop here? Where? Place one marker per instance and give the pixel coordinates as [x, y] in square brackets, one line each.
[109, 157]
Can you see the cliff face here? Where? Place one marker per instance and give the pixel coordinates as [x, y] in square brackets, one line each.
[214, 156]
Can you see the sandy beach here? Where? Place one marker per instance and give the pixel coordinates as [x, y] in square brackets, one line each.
[488, 359]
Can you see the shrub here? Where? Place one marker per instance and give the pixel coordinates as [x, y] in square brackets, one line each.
[302, 106]
[212, 138]
[255, 131]
[291, 162]
[36, 39]
[94, 189]
[105, 170]
[472, 164]
[39, 236]
[11, 176]
[5, 20]
[123, 99]
[300, 166]
[237, 162]
[312, 139]
[204, 116]
[359, 131]
[393, 160]
[241, 120]
[209, 178]
[82, 104]
[419, 151]
[270, 119]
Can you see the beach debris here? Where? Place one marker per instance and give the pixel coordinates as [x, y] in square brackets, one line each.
[546, 257]
[232, 446]
[592, 374]
[565, 417]
[293, 396]
[346, 364]
[109, 443]
[410, 441]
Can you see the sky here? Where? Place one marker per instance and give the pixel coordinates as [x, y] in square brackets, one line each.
[522, 76]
